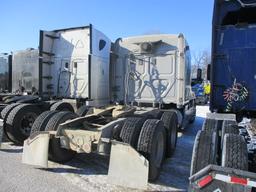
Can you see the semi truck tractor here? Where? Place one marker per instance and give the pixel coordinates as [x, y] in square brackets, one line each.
[148, 84]
[224, 154]
[4, 72]
[19, 73]
[64, 67]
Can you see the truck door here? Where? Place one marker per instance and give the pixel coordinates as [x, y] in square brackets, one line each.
[64, 78]
[79, 78]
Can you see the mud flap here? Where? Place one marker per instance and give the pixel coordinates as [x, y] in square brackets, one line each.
[1, 131]
[127, 167]
[35, 150]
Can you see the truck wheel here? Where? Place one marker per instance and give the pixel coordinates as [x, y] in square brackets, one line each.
[2, 107]
[56, 153]
[4, 113]
[152, 145]
[228, 127]
[234, 152]
[204, 151]
[131, 130]
[210, 125]
[170, 121]
[8, 109]
[83, 110]
[62, 106]
[41, 121]
[19, 122]
[159, 114]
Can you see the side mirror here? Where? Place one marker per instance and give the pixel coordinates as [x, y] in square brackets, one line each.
[199, 74]
[209, 72]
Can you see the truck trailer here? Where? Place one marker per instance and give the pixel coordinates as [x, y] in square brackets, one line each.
[224, 153]
[146, 86]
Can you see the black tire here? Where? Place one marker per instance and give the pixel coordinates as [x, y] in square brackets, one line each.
[159, 114]
[4, 113]
[131, 130]
[19, 122]
[204, 151]
[62, 106]
[170, 121]
[152, 141]
[228, 127]
[83, 110]
[210, 125]
[234, 153]
[8, 109]
[56, 153]
[41, 121]
[2, 108]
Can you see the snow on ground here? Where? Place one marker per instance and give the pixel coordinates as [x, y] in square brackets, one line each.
[89, 172]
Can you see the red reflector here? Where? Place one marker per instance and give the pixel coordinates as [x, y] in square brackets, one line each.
[203, 182]
[239, 180]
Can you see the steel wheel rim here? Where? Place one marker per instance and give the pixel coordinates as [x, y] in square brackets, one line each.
[27, 123]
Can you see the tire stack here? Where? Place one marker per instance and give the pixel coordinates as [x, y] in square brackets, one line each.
[205, 150]
[234, 147]
[219, 143]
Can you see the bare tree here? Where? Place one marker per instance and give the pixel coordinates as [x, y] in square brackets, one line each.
[200, 60]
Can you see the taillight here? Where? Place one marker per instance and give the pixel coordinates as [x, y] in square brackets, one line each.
[238, 180]
[205, 181]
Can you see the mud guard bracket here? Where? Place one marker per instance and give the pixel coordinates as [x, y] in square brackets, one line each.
[127, 167]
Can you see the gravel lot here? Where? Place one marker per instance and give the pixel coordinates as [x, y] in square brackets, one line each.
[89, 172]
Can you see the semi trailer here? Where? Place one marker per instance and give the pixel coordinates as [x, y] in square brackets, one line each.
[146, 86]
[224, 153]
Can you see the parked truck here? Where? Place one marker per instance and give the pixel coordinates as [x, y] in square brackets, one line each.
[4, 72]
[19, 73]
[57, 77]
[147, 90]
[224, 153]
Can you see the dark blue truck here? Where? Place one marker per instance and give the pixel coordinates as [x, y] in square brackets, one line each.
[224, 153]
